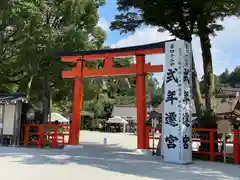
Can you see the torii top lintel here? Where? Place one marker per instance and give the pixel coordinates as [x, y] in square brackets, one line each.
[108, 55]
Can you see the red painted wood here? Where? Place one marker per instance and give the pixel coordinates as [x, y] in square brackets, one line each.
[26, 135]
[236, 146]
[212, 141]
[212, 145]
[77, 107]
[140, 69]
[141, 103]
[92, 57]
[148, 68]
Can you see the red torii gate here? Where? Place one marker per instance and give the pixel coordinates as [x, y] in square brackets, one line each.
[140, 69]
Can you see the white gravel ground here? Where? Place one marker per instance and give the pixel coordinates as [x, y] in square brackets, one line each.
[116, 161]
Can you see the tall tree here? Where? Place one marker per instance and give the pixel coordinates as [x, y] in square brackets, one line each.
[165, 16]
[182, 19]
[154, 91]
[208, 15]
[223, 78]
[14, 17]
[43, 29]
[216, 83]
[234, 77]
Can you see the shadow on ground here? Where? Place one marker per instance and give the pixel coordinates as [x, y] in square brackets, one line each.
[116, 159]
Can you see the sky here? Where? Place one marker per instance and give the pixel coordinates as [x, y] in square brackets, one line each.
[225, 46]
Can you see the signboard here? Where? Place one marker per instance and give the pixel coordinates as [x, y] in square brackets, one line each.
[177, 130]
[1, 116]
[8, 120]
[224, 126]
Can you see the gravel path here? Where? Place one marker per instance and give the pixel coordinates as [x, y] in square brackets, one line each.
[116, 161]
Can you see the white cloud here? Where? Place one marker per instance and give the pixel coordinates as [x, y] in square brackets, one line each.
[225, 49]
[143, 36]
[104, 24]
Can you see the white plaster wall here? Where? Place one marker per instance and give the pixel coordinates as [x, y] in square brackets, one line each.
[1, 118]
[8, 122]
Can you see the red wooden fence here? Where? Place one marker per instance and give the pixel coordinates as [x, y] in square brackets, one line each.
[211, 140]
[46, 134]
[49, 134]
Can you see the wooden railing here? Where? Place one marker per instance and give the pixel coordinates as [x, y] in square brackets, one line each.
[211, 140]
[41, 135]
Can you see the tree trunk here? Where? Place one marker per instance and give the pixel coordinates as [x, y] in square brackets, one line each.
[207, 67]
[50, 104]
[46, 100]
[158, 150]
[209, 118]
[196, 91]
[27, 83]
[29, 87]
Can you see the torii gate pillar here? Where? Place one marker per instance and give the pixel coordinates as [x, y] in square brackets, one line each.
[77, 106]
[142, 134]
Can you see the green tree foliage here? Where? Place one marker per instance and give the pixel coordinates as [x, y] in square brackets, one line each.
[232, 79]
[182, 19]
[32, 32]
[216, 85]
[154, 91]
[120, 90]
[165, 16]
[225, 79]
[224, 76]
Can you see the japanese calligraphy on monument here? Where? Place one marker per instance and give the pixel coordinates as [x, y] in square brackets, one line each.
[171, 119]
[177, 103]
[171, 75]
[171, 96]
[170, 140]
[187, 110]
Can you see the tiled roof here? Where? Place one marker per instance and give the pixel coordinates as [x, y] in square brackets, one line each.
[83, 113]
[124, 111]
[12, 97]
[224, 105]
[229, 89]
